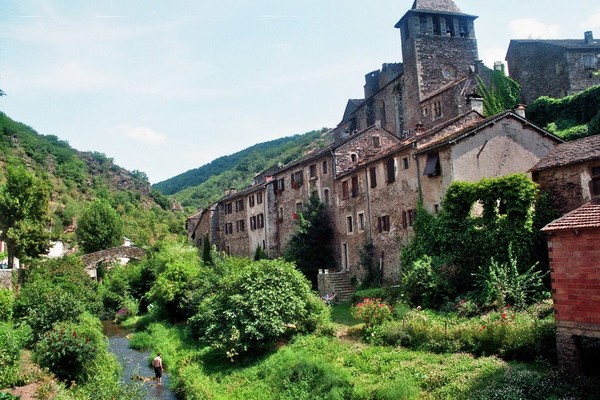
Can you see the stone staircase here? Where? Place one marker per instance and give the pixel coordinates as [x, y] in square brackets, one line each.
[338, 282]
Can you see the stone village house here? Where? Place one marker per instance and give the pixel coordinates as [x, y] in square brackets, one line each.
[418, 129]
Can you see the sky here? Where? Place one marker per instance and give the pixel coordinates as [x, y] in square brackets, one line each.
[167, 86]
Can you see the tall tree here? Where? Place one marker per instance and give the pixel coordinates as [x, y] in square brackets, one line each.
[99, 227]
[311, 246]
[24, 214]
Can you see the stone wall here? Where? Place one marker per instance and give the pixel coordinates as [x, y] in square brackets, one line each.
[567, 185]
[6, 278]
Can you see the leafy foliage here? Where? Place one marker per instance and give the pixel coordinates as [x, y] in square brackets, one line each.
[11, 342]
[310, 247]
[501, 94]
[99, 227]
[23, 214]
[373, 312]
[7, 299]
[251, 308]
[478, 221]
[59, 290]
[571, 117]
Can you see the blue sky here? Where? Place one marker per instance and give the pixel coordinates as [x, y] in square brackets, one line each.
[167, 86]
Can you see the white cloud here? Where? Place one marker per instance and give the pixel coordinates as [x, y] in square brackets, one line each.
[531, 28]
[593, 21]
[143, 134]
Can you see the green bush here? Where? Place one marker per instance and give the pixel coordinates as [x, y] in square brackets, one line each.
[7, 299]
[373, 293]
[372, 311]
[252, 308]
[65, 351]
[403, 388]
[11, 342]
[299, 375]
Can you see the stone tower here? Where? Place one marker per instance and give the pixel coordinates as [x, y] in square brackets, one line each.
[438, 48]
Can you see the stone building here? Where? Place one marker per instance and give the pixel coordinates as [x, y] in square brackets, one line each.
[554, 68]
[570, 173]
[419, 128]
[574, 250]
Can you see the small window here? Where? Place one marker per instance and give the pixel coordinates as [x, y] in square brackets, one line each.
[280, 214]
[251, 200]
[354, 186]
[259, 198]
[252, 222]
[353, 157]
[590, 61]
[260, 221]
[436, 208]
[595, 183]
[297, 179]
[349, 224]
[376, 142]
[313, 171]
[425, 110]
[411, 217]
[326, 196]
[361, 221]
[383, 223]
[405, 163]
[437, 109]
[239, 205]
[404, 220]
[240, 225]
[345, 190]
[390, 170]
[324, 167]
[280, 185]
[373, 176]
[432, 167]
[228, 208]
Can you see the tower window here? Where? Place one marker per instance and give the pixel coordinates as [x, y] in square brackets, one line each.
[437, 109]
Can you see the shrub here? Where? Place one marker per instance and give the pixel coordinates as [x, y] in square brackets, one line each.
[252, 308]
[65, 351]
[403, 388]
[372, 311]
[299, 375]
[502, 284]
[360, 295]
[11, 343]
[6, 304]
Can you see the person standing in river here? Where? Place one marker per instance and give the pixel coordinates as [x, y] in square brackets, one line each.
[158, 368]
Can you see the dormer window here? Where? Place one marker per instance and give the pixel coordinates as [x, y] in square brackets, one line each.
[376, 141]
[353, 157]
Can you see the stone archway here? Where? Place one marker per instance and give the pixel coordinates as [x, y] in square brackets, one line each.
[92, 259]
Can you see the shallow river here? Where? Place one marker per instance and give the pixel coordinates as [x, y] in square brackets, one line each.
[136, 363]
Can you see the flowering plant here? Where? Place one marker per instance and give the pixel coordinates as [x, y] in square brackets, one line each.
[373, 311]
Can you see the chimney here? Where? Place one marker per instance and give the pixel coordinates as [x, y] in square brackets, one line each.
[475, 103]
[226, 192]
[419, 128]
[232, 190]
[520, 110]
[589, 37]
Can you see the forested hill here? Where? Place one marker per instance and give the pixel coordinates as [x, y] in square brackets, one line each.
[74, 178]
[198, 187]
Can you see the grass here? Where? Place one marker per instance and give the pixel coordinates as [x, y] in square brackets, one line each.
[317, 367]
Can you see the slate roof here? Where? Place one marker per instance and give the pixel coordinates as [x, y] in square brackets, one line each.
[446, 6]
[565, 43]
[585, 217]
[569, 153]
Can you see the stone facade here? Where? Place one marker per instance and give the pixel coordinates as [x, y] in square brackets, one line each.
[554, 68]
[570, 173]
[375, 171]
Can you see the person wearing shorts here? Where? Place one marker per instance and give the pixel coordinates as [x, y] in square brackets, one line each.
[158, 368]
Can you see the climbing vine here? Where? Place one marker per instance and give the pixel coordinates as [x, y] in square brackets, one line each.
[479, 221]
[502, 93]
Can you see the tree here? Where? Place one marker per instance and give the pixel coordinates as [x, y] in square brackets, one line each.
[206, 254]
[24, 214]
[311, 246]
[99, 227]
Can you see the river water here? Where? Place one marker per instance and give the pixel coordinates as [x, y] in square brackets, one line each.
[136, 363]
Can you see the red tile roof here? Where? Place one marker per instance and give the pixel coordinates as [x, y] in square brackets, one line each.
[585, 217]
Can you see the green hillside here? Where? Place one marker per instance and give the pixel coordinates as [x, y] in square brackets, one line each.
[198, 187]
[76, 177]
